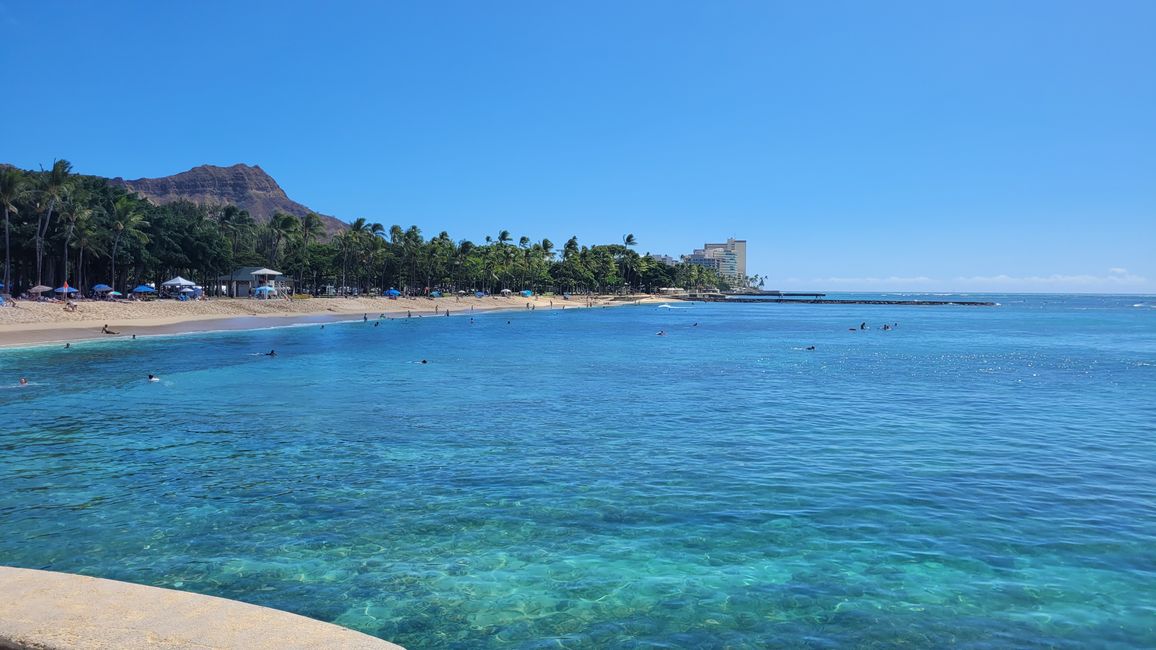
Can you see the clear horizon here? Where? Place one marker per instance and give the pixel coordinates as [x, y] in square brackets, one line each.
[898, 147]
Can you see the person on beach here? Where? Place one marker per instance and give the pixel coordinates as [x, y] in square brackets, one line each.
[365, 318]
[105, 330]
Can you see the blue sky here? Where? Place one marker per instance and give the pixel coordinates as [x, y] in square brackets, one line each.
[894, 145]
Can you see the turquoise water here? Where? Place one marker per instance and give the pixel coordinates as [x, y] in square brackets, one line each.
[977, 478]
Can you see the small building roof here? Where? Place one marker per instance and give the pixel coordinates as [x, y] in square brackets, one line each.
[246, 273]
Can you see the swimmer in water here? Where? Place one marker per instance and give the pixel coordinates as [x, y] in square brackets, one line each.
[660, 333]
[863, 325]
[271, 353]
[67, 345]
[376, 323]
[364, 317]
[811, 347]
[424, 361]
[23, 381]
[154, 378]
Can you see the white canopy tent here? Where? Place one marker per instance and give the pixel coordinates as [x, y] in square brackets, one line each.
[178, 282]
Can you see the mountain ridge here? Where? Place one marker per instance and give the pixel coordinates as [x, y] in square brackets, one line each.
[246, 186]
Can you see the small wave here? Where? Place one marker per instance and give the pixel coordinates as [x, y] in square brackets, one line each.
[1139, 304]
[670, 307]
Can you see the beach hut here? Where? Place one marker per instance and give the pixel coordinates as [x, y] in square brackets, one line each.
[244, 280]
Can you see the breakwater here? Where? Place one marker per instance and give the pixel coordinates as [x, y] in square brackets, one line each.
[834, 301]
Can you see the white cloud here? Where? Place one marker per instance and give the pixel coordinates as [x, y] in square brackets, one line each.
[1116, 277]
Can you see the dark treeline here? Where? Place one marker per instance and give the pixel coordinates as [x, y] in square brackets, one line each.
[59, 226]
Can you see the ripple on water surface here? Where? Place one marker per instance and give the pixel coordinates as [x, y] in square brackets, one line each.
[571, 480]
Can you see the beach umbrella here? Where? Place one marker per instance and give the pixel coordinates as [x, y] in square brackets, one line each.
[526, 293]
[40, 288]
[479, 294]
[144, 288]
[115, 293]
[187, 290]
[393, 292]
[66, 289]
[102, 287]
[435, 294]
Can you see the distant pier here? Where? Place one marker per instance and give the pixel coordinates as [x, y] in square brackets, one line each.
[821, 299]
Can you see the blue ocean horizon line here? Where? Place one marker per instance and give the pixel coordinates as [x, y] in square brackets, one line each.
[972, 477]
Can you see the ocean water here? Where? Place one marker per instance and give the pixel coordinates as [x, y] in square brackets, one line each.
[975, 478]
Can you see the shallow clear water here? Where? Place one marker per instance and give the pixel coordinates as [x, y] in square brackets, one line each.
[978, 477]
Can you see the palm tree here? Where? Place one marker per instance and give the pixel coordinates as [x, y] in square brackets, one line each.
[236, 223]
[629, 240]
[282, 226]
[73, 209]
[571, 248]
[87, 239]
[126, 220]
[11, 189]
[312, 228]
[53, 189]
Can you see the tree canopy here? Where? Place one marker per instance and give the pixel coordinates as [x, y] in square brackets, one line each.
[62, 227]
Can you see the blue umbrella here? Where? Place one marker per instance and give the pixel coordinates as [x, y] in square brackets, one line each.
[435, 294]
[68, 290]
[144, 288]
[263, 289]
[102, 287]
[393, 292]
[526, 293]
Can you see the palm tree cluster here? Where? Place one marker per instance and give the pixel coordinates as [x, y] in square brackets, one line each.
[61, 227]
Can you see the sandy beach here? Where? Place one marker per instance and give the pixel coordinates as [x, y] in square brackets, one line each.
[32, 323]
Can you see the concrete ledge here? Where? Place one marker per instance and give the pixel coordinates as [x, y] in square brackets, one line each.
[44, 610]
